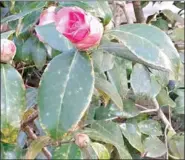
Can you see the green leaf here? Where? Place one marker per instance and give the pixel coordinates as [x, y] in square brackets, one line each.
[144, 44]
[5, 35]
[25, 54]
[144, 85]
[81, 4]
[173, 17]
[164, 99]
[154, 147]
[129, 110]
[144, 3]
[179, 109]
[108, 132]
[36, 147]
[101, 150]
[150, 127]
[67, 151]
[177, 34]
[27, 10]
[102, 9]
[102, 61]
[160, 23]
[53, 37]
[88, 152]
[39, 54]
[12, 99]
[133, 135]
[9, 151]
[118, 77]
[110, 90]
[28, 21]
[65, 91]
[179, 4]
[176, 146]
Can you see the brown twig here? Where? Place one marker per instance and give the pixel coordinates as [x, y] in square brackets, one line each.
[138, 11]
[30, 119]
[33, 136]
[59, 143]
[162, 116]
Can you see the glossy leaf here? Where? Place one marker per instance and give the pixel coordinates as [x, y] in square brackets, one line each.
[25, 54]
[144, 85]
[173, 17]
[53, 37]
[140, 44]
[67, 151]
[176, 146]
[129, 110]
[154, 147]
[102, 61]
[150, 127]
[160, 23]
[110, 90]
[164, 99]
[82, 4]
[179, 109]
[118, 76]
[12, 98]
[5, 35]
[65, 91]
[36, 147]
[28, 21]
[102, 9]
[133, 135]
[27, 10]
[101, 150]
[179, 4]
[39, 54]
[108, 132]
[88, 152]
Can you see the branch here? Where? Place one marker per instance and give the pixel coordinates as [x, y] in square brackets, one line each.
[33, 136]
[59, 143]
[162, 116]
[166, 141]
[123, 6]
[138, 11]
[30, 119]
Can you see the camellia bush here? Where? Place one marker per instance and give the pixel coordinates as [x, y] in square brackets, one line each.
[73, 86]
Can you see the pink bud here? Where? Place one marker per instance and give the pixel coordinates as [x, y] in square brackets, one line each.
[81, 140]
[8, 50]
[81, 28]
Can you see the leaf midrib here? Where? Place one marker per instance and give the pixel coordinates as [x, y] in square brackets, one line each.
[6, 102]
[144, 39]
[64, 90]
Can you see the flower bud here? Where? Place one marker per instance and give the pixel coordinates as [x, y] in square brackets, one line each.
[82, 140]
[8, 50]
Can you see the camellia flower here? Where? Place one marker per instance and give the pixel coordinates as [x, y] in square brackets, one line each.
[8, 50]
[46, 17]
[81, 28]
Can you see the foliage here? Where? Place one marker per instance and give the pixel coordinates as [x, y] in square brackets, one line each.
[113, 93]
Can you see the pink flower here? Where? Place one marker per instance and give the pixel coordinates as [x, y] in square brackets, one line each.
[46, 17]
[8, 50]
[81, 28]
